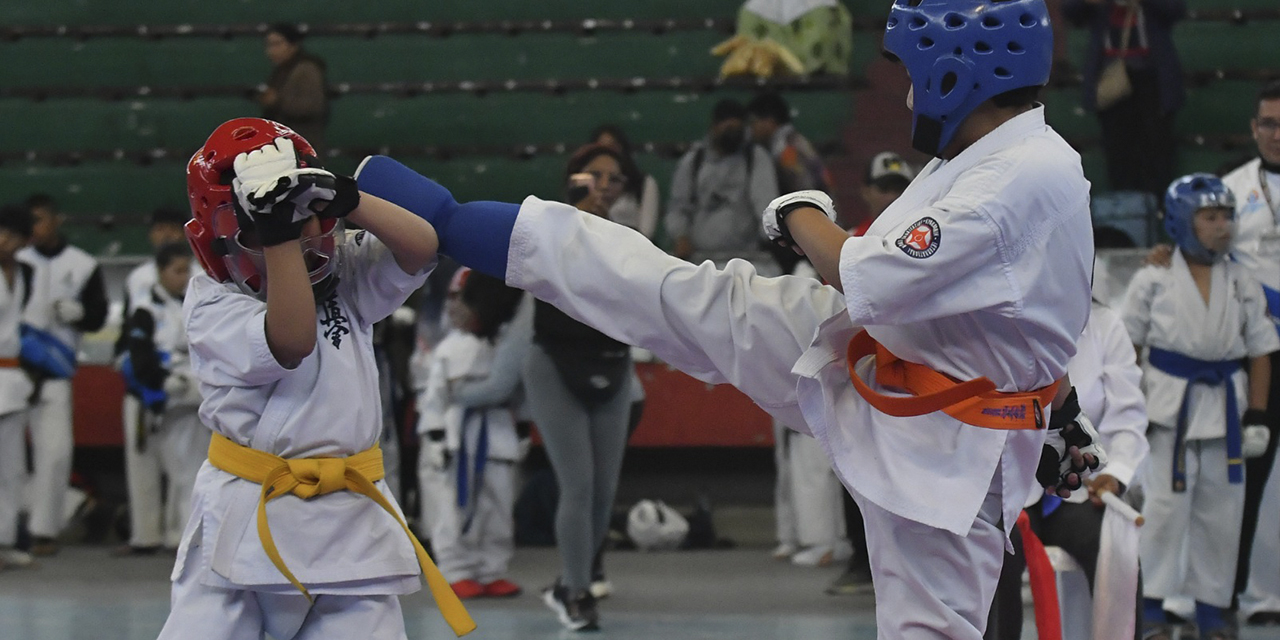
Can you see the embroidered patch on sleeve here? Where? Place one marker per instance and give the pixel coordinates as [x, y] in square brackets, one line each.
[922, 239]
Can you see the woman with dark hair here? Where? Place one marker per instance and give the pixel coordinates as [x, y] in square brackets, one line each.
[295, 94]
[637, 205]
[578, 383]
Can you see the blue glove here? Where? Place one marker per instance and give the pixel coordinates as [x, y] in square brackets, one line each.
[476, 234]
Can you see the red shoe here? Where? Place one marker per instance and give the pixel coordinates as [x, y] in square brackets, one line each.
[468, 589]
[502, 589]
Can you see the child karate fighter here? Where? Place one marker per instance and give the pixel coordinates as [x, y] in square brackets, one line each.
[1198, 319]
[164, 439]
[475, 448]
[925, 367]
[293, 531]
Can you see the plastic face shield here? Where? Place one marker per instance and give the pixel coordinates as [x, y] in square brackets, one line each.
[247, 265]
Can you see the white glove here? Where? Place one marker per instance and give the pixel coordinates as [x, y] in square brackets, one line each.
[68, 311]
[1254, 440]
[775, 227]
[269, 176]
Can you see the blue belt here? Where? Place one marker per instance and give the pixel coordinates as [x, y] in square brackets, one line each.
[469, 496]
[1210, 372]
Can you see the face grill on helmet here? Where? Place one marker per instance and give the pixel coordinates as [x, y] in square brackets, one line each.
[961, 53]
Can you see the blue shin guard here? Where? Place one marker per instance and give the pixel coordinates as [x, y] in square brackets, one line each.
[476, 234]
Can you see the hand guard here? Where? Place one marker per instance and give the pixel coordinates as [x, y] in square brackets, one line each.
[1256, 435]
[434, 453]
[68, 311]
[277, 196]
[775, 215]
[1069, 427]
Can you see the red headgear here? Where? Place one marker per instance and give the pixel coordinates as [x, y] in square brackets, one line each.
[214, 231]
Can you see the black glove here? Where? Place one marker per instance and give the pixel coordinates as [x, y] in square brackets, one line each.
[274, 228]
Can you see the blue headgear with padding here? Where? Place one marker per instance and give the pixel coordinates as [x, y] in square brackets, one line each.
[1183, 199]
[961, 53]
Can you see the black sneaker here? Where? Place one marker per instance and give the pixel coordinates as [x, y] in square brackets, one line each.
[575, 613]
[852, 582]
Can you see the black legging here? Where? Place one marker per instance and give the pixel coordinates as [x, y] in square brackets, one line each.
[1256, 471]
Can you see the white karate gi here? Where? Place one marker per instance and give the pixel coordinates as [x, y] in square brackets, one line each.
[1257, 246]
[1005, 295]
[1164, 309]
[338, 545]
[482, 552]
[176, 444]
[15, 389]
[62, 276]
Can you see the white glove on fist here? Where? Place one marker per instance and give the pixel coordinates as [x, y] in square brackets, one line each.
[775, 228]
[68, 311]
[1254, 440]
[269, 176]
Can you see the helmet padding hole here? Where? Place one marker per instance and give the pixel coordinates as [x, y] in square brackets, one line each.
[948, 83]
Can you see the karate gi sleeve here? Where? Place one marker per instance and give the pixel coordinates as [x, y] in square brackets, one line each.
[434, 398]
[227, 336]
[372, 280]
[93, 297]
[1260, 336]
[719, 326]
[1124, 414]
[1136, 312]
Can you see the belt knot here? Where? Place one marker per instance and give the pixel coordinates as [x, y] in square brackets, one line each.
[318, 476]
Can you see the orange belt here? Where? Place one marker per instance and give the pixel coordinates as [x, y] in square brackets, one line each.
[975, 402]
[8, 363]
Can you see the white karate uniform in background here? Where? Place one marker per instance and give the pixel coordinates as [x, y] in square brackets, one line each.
[1190, 541]
[1005, 295]
[15, 390]
[62, 276]
[482, 552]
[176, 444]
[340, 544]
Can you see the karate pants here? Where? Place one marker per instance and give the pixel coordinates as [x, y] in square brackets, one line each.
[13, 467]
[197, 610]
[808, 497]
[484, 551]
[932, 584]
[1263, 590]
[174, 452]
[51, 445]
[1190, 540]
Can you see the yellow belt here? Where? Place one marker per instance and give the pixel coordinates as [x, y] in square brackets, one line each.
[310, 477]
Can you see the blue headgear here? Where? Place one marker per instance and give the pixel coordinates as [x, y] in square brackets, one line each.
[1184, 198]
[961, 53]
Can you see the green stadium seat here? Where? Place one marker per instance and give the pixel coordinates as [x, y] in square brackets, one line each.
[1064, 113]
[96, 188]
[1223, 107]
[79, 124]
[78, 12]
[1211, 45]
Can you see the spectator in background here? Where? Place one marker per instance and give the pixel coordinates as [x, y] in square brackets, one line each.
[888, 176]
[798, 164]
[165, 227]
[1257, 246]
[638, 203]
[295, 94]
[68, 298]
[15, 388]
[1137, 130]
[578, 384]
[165, 442]
[719, 188]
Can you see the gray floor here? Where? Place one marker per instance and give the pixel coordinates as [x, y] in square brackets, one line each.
[741, 594]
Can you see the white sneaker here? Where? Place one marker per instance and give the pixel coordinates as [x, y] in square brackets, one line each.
[15, 559]
[823, 555]
[784, 551]
[601, 589]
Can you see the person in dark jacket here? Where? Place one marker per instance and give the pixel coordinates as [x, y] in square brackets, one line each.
[295, 94]
[1137, 131]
